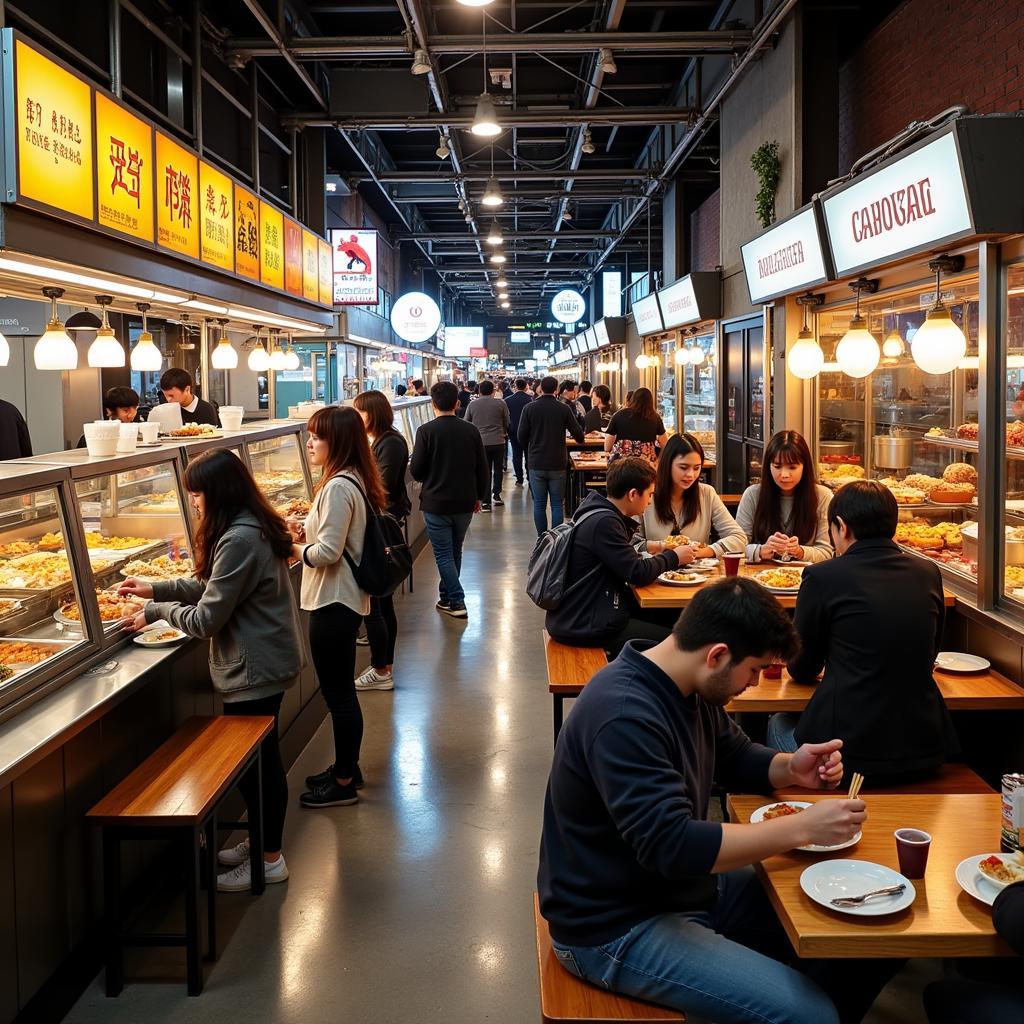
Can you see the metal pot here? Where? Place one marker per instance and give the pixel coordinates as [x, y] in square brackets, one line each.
[837, 448]
[893, 452]
[1014, 548]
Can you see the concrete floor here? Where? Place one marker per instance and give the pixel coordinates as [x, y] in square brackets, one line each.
[413, 907]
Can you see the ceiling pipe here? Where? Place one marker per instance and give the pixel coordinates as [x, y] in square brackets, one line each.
[579, 174]
[279, 49]
[607, 116]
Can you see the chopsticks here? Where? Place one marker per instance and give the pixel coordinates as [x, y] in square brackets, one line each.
[855, 783]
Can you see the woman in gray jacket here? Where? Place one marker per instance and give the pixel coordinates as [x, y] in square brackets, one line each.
[242, 599]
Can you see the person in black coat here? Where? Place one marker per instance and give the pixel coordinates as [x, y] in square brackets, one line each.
[392, 454]
[873, 619]
[177, 386]
[15, 442]
[517, 402]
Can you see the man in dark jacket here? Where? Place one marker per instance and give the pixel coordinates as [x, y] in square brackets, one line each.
[516, 402]
[177, 386]
[448, 460]
[873, 618]
[15, 442]
[598, 609]
[584, 396]
[542, 428]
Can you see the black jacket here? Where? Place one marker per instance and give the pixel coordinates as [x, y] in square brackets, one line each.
[873, 618]
[392, 455]
[205, 413]
[14, 440]
[448, 460]
[542, 428]
[603, 556]
[464, 399]
[516, 403]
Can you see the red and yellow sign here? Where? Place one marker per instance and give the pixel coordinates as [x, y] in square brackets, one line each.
[124, 170]
[216, 218]
[271, 246]
[247, 234]
[177, 178]
[55, 144]
[326, 271]
[292, 257]
[310, 267]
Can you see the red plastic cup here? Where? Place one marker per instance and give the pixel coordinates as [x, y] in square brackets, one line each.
[731, 562]
[773, 671]
[912, 847]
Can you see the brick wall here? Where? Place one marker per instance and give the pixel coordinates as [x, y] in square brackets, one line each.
[705, 234]
[926, 56]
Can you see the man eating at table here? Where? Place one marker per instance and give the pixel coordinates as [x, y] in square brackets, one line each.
[643, 894]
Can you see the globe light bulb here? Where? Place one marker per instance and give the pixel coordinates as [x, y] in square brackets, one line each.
[857, 352]
[682, 356]
[939, 344]
[146, 357]
[224, 356]
[892, 346]
[805, 358]
[106, 349]
[259, 359]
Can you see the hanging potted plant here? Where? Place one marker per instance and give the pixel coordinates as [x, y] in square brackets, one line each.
[768, 168]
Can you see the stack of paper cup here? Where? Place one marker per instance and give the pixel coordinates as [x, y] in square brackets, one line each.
[101, 436]
[231, 416]
[128, 437]
[150, 432]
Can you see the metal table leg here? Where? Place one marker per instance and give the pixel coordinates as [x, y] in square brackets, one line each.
[256, 831]
[112, 911]
[193, 944]
[211, 887]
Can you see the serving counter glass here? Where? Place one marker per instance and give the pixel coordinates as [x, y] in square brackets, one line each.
[275, 454]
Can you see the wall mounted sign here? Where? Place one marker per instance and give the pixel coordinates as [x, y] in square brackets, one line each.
[460, 342]
[247, 234]
[124, 171]
[647, 315]
[355, 267]
[611, 293]
[271, 246]
[568, 306]
[601, 332]
[310, 267]
[326, 275]
[216, 217]
[788, 257]
[292, 257]
[415, 317]
[177, 190]
[694, 297]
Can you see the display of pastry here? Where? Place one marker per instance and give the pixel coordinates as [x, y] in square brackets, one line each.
[1015, 434]
[162, 568]
[921, 481]
[843, 469]
[960, 473]
[951, 534]
[39, 574]
[924, 538]
[907, 495]
[21, 652]
[297, 508]
[159, 504]
[953, 493]
[968, 431]
[50, 542]
[276, 481]
[937, 432]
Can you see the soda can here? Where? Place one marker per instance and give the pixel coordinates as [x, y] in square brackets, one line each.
[1012, 817]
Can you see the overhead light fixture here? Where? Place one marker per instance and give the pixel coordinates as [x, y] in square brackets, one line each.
[485, 118]
[105, 350]
[84, 320]
[695, 355]
[938, 344]
[857, 352]
[146, 357]
[492, 193]
[893, 346]
[502, 295]
[224, 356]
[443, 150]
[206, 307]
[567, 213]
[806, 358]
[682, 356]
[607, 61]
[52, 273]
[421, 63]
[506, 304]
[494, 235]
[55, 350]
[291, 358]
[259, 357]
[475, 3]
[501, 282]
[588, 142]
[277, 356]
[498, 257]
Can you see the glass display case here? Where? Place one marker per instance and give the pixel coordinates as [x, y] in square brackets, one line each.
[279, 468]
[666, 397]
[699, 397]
[1011, 550]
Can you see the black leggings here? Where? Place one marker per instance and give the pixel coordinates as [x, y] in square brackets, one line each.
[382, 630]
[275, 782]
[332, 642]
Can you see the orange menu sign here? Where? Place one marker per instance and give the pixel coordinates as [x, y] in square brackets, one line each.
[177, 179]
[326, 254]
[310, 267]
[216, 217]
[124, 170]
[293, 257]
[271, 246]
[55, 143]
[247, 234]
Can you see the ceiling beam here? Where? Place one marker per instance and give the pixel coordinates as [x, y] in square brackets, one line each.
[279, 49]
[642, 116]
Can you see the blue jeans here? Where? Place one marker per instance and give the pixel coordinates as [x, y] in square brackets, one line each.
[722, 964]
[447, 532]
[781, 727]
[547, 483]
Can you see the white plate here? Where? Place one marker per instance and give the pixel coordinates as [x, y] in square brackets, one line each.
[954, 661]
[775, 590]
[758, 816]
[140, 638]
[702, 565]
[195, 437]
[793, 563]
[973, 882]
[682, 583]
[830, 879]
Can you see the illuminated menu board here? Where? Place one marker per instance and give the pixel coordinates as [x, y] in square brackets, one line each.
[124, 171]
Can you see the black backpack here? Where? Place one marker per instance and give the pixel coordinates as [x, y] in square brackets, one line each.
[387, 558]
[549, 564]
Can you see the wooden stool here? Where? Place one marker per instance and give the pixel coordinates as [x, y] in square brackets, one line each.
[569, 670]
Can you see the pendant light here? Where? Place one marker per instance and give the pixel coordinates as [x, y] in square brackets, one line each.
[857, 352]
[892, 345]
[105, 350]
[494, 235]
[146, 357]
[421, 63]
[682, 356]
[498, 257]
[938, 345]
[485, 118]
[501, 282]
[291, 357]
[55, 350]
[276, 357]
[502, 295]
[475, 3]
[695, 354]
[224, 356]
[259, 358]
[5, 351]
[805, 358]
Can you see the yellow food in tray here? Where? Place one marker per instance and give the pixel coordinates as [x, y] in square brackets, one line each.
[18, 547]
[97, 540]
[780, 579]
[162, 568]
[51, 542]
[163, 503]
[276, 481]
[17, 652]
[112, 607]
[297, 508]
[195, 430]
[8, 606]
[41, 574]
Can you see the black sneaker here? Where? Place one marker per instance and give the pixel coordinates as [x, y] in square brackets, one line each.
[497, 500]
[443, 606]
[456, 611]
[486, 507]
[519, 483]
[312, 781]
[330, 794]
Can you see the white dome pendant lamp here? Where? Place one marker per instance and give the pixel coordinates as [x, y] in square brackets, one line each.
[105, 350]
[146, 357]
[857, 352]
[938, 344]
[805, 358]
[55, 350]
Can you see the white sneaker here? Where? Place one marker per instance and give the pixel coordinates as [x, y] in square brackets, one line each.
[235, 855]
[239, 879]
[371, 679]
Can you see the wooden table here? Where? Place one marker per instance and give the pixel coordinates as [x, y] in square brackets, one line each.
[942, 922]
[595, 439]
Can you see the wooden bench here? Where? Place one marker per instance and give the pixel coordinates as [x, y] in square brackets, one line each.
[565, 999]
[950, 778]
[174, 794]
[569, 670]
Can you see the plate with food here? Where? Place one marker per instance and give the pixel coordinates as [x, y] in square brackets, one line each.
[677, 540]
[780, 581]
[674, 578]
[702, 565]
[159, 636]
[954, 661]
[784, 808]
[156, 570]
[985, 875]
[196, 430]
[112, 609]
[837, 879]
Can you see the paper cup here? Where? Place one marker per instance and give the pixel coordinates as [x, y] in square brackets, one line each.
[912, 847]
[101, 438]
[231, 416]
[150, 432]
[128, 437]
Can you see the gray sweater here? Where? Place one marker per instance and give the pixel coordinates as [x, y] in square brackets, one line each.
[711, 513]
[818, 550]
[491, 417]
[246, 608]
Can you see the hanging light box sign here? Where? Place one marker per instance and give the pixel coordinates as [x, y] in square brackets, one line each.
[271, 246]
[247, 234]
[568, 306]
[788, 257]
[216, 217]
[292, 257]
[690, 299]
[310, 267]
[355, 267]
[124, 171]
[415, 317]
[647, 315]
[177, 183]
[326, 271]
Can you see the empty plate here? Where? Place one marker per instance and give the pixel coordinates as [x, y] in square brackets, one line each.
[953, 661]
[830, 879]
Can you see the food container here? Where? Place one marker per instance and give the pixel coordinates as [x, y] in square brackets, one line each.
[101, 437]
[1011, 832]
[892, 452]
[150, 432]
[127, 437]
[1014, 548]
[231, 416]
[837, 448]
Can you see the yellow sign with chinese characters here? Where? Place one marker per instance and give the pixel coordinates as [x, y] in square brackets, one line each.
[55, 142]
[310, 267]
[124, 170]
[177, 176]
[292, 257]
[271, 246]
[247, 234]
[216, 217]
[326, 272]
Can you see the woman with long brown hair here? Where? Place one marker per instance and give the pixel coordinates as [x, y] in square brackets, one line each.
[637, 429]
[241, 598]
[330, 542]
[785, 516]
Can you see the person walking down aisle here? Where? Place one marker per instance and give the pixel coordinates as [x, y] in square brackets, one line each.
[241, 598]
[330, 542]
[448, 460]
[542, 429]
[392, 455]
[490, 415]
[517, 402]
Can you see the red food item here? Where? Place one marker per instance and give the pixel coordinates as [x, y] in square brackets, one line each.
[967, 431]
[993, 861]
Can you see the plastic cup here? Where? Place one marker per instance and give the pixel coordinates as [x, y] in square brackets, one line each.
[731, 563]
[150, 432]
[912, 847]
[101, 438]
[231, 416]
[127, 437]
